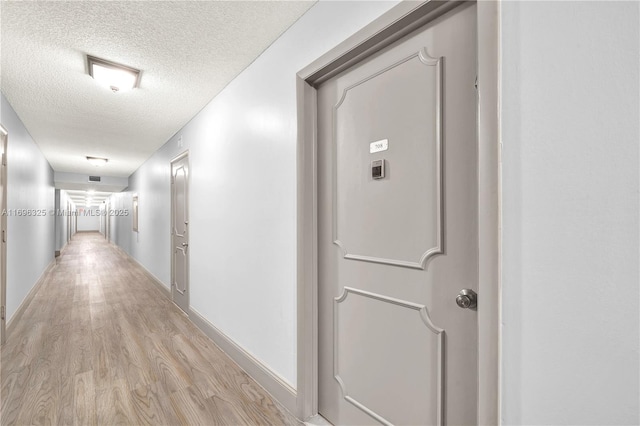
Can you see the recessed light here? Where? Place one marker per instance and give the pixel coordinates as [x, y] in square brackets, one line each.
[97, 161]
[117, 77]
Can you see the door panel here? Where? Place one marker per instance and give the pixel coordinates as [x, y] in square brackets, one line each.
[415, 374]
[179, 232]
[368, 111]
[180, 262]
[395, 251]
[180, 190]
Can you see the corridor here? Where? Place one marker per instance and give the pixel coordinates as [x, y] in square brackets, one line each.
[100, 344]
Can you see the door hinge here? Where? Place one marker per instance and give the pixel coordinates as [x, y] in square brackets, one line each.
[4, 158]
[476, 83]
[4, 237]
[2, 313]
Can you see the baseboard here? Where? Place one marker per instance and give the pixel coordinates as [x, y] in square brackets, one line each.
[317, 420]
[270, 381]
[15, 318]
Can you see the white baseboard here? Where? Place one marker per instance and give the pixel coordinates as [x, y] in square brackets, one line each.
[15, 318]
[317, 420]
[282, 391]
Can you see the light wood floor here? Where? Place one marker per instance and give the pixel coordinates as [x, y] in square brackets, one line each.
[99, 344]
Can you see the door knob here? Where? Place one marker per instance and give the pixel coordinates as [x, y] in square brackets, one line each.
[185, 244]
[467, 299]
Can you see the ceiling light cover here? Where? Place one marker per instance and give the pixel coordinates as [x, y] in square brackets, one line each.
[117, 77]
[97, 161]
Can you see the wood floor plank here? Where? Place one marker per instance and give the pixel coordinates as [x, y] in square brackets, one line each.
[137, 370]
[84, 400]
[64, 397]
[14, 386]
[80, 349]
[113, 404]
[152, 405]
[38, 404]
[192, 409]
[99, 344]
[164, 365]
[102, 373]
[24, 347]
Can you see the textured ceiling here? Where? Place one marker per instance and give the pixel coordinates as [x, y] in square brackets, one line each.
[187, 51]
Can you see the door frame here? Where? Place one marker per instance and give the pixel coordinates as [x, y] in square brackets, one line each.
[171, 288]
[107, 228]
[388, 28]
[4, 143]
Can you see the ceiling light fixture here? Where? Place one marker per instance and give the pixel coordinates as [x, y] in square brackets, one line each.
[97, 161]
[117, 77]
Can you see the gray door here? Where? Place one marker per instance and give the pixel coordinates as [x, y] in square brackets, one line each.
[180, 231]
[397, 231]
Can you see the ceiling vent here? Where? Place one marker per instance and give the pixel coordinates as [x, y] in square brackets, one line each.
[94, 178]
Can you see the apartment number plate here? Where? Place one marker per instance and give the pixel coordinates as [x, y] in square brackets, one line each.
[378, 146]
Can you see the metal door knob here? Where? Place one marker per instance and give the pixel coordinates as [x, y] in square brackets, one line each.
[467, 299]
[184, 244]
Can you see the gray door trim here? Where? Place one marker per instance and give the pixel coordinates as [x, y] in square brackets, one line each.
[391, 26]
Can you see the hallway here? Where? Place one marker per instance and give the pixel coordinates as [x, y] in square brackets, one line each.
[99, 344]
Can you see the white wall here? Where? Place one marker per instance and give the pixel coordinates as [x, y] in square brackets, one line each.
[570, 280]
[243, 185]
[30, 239]
[89, 219]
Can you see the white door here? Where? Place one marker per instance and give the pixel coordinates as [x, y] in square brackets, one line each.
[397, 231]
[180, 231]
